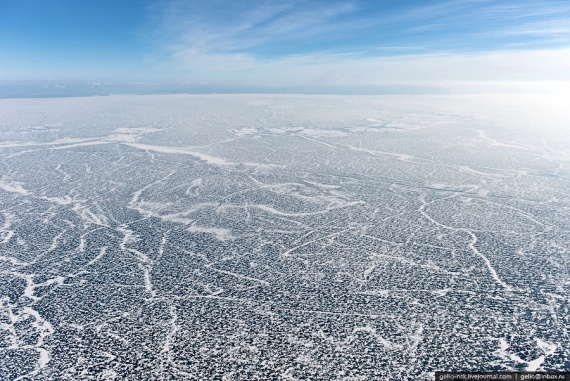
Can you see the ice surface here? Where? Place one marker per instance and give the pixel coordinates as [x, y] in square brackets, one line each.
[261, 237]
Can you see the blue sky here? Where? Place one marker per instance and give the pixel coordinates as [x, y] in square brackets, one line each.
[290, 42]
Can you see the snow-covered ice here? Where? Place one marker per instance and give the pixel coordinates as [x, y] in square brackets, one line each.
[267, 237]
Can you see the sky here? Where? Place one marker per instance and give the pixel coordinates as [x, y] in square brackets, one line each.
[288, 42]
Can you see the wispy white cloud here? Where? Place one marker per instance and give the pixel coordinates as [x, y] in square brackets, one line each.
[294, 42]
[212, 28]
[554, 28]
[347, 69]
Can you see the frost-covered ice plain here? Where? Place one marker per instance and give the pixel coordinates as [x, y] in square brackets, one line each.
[261, 237]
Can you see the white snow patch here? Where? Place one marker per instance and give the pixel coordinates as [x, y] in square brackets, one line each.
[136, 130]
[221, 234]
[181, 151]
[246, 131]
[322, 133]
[13, 187]
[65, 200]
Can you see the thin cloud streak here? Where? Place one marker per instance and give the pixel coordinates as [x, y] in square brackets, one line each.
[247, 28]
[347, 69]
[265, 44]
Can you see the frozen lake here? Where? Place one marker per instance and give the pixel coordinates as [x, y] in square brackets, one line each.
[283, 237]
